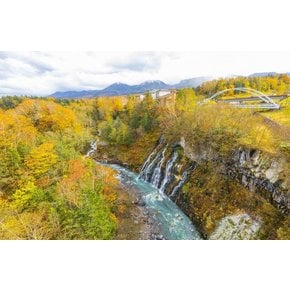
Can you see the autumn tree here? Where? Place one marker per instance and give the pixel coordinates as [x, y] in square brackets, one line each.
[47, 189]
[185, 100]
[41, 159]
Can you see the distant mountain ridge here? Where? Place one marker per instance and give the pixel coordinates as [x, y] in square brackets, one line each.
[124, 89]
[263, 74]
[267, 74]
[193, 82]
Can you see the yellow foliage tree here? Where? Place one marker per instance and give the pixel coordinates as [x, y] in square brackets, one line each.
[41, 159]
[48, 115]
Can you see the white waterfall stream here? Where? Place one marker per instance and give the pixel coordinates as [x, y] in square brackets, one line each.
[146, 163]
[152, 172]
[93, 147]
[145, 174]
[180, 183]
[156, 176]
[167, 176]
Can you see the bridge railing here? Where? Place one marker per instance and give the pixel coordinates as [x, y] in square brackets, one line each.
[268, 103]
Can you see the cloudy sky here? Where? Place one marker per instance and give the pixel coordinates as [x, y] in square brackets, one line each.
[42, 73]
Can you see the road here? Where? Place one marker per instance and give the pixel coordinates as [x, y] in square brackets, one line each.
[253, 98]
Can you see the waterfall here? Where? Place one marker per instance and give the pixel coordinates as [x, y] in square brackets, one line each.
[146, 163]
[155, 179]
[182, 181]
[145, 174]
[93, 146]
[167, 176]
[153, 171]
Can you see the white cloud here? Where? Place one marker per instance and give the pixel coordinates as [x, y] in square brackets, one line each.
[41, 73]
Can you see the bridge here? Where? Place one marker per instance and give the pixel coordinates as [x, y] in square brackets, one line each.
[253, 98]
[266, 102]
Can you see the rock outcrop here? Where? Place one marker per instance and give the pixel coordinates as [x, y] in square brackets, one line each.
[236, 227]
[254, 169]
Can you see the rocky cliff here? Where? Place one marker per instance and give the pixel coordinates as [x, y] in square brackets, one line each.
[255, 170]
[239, 195]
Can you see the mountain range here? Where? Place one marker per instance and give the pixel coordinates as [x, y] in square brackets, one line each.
[124, 89]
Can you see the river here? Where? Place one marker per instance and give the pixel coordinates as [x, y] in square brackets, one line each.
[172, 223]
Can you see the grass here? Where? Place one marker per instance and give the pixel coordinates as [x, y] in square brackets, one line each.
[281, 116]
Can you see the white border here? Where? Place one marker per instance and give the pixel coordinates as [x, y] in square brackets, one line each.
[186, 25]
[144, 265]
[128, 25]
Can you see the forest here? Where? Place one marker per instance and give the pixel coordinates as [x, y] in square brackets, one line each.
[49, 189]
[276, 84]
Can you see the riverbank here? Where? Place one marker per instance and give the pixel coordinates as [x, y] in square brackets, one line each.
[163, 219]
[134, 219]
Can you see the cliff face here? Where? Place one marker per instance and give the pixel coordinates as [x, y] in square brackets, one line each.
[256, 171]
[242, 195]
[262, 174]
